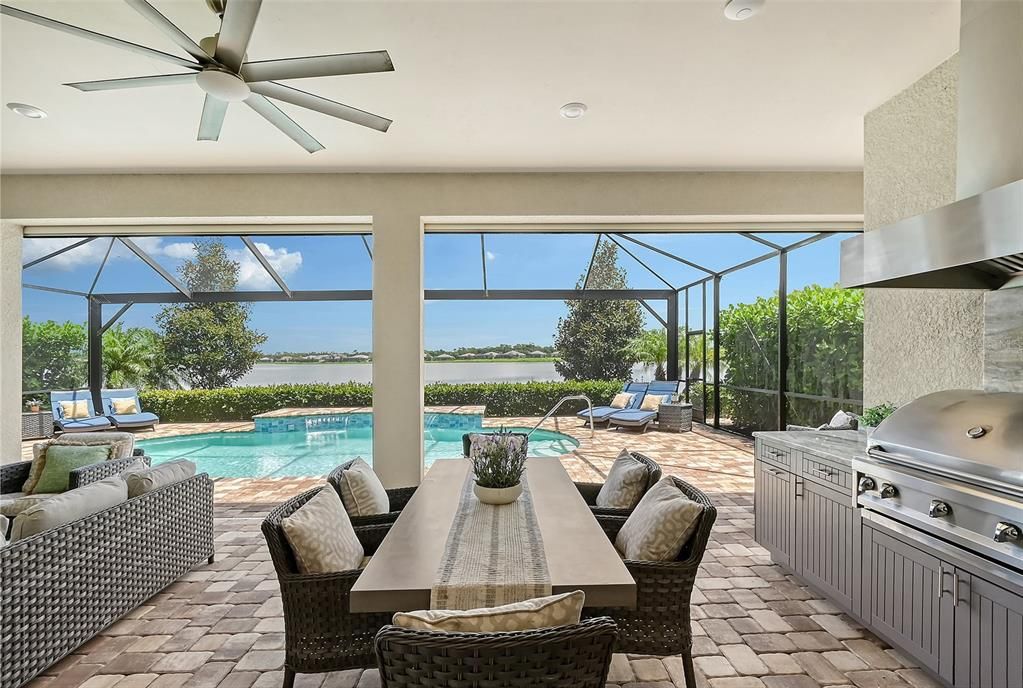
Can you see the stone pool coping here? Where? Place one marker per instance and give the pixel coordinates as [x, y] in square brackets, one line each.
[294, 412]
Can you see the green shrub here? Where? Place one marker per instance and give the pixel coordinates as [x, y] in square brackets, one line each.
[241, 403]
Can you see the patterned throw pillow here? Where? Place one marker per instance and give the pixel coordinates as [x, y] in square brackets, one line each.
[322, 537]
[660, 526]
[362, 492]
[652, 402]
[542, 612]
[625, 483]
[621, 400]
[36, 469]
[124, 406]
[61, 459]
[74, 410]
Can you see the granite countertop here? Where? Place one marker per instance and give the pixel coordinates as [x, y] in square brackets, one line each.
[837, 445]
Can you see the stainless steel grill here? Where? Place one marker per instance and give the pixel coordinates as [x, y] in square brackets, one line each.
[951, 464]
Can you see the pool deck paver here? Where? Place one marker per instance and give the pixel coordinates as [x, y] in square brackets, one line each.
[749, 616]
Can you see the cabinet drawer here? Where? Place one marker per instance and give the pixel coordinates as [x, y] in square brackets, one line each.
[779, 455]
[821, 471]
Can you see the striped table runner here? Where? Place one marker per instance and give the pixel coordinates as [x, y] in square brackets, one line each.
[494, 555]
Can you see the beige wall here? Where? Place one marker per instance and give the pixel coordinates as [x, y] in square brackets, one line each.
[397, 202]
[916, 341]
[10, 340]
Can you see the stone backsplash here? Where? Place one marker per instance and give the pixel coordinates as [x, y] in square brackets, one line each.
[1003, 340]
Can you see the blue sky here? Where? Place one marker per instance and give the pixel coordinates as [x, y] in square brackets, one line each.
[515, 261]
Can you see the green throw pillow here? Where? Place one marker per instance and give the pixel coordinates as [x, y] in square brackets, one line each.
[61, 460]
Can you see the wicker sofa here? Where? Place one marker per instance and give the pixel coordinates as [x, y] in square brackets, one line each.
[64, 585]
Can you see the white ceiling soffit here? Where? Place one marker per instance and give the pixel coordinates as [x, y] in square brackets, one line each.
[639, 224]
[194, 226]
[477, 86]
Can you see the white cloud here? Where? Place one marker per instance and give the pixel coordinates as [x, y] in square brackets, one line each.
[251, 274]
[491, 256]
[86, 254]
[181, 250]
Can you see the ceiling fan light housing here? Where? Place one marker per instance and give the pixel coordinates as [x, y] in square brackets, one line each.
[223, 85]
[741, 10]
[26, 110]
[573, 110]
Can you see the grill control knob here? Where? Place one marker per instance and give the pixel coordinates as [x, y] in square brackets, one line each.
[1007, 532]
[938, 509]
[867, 483]
[888, 491]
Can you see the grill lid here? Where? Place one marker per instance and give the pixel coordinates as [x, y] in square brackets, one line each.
[967, 434]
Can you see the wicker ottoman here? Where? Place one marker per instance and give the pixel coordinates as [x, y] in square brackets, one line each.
[675, 417]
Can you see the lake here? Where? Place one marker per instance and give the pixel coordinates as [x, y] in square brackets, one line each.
[304, 373]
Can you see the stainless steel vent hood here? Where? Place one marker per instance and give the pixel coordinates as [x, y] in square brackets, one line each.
[976, 242]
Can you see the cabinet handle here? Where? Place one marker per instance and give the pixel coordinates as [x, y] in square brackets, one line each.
[941, 581]
[827, 473]
[799, 487]
[955, 585]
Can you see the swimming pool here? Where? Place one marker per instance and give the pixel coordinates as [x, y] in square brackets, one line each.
[312, 452]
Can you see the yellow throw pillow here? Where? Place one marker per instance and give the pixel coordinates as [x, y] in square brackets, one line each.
[651, 402]
[621, 400]
[74, 410]
[542, 612]
[123, 407]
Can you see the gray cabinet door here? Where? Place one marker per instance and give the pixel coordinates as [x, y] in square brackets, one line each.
[909, 599]
[772, 510]
[824, 539]
[989, 634]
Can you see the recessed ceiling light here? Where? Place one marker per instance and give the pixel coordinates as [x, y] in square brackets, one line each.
[573, 110]
[30, 111]
[739, 10]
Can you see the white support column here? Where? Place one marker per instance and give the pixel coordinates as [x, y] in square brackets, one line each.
[398, 349]
[10, 342]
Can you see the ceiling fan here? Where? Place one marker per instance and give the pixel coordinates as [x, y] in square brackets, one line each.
[218, 66]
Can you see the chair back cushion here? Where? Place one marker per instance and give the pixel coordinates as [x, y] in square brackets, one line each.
[70, 506]
[660, 526]
[61, 459]
[121, 445]
[321, 536]
[144, 479]
[362, 493]
[541, 612]
[625, 483]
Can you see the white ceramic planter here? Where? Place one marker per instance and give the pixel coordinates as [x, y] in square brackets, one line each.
[497, 495]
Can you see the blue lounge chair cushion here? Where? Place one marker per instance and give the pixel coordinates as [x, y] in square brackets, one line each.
[599, 413]
[94, 423]
[633, 417]
[144, 418]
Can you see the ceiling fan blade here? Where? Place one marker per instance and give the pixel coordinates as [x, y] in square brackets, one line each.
[294, 96]
[134, 82]
[173, 32]
[213, 111]
[98, 37]
[318, 65]
[235, 31]
[276, 117]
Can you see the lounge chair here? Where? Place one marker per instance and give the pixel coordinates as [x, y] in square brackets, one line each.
[92, 423]
[139, 419]
[634, 417]
[602, 413]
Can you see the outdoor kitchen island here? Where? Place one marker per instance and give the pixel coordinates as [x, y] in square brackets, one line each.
[916, 536]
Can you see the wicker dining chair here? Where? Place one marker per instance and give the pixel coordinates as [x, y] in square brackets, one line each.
[660, 623]
[321, 634]
[576, 656]
[589, 491]
[398, 498]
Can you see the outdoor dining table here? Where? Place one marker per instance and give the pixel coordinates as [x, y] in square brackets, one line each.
[579, 555]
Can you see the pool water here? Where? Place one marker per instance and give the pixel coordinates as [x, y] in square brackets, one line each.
[312, 452]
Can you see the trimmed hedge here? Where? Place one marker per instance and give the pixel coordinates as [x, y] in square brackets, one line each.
[242, 403]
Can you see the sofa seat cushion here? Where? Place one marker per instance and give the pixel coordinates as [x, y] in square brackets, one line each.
[322, 537]
[70, 506]
[13, 503]
[662, 523]
[542, 612]
[362, 493]
[141, 481]
[625, 484]
[61, 459]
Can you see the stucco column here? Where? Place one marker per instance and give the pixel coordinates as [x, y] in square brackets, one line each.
[10, 342]
[398, 348]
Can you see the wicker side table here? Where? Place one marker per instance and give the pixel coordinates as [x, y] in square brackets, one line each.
[36, 425]
[676, 417]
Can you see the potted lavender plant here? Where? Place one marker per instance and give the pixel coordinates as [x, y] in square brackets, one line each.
[497, 469]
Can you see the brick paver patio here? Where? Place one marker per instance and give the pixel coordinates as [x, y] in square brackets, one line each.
[221, 625]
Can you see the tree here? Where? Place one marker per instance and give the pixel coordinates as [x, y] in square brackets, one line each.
[593, 338]
[651, 348]
[53, 355]
[134, 357]
[209, 345]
